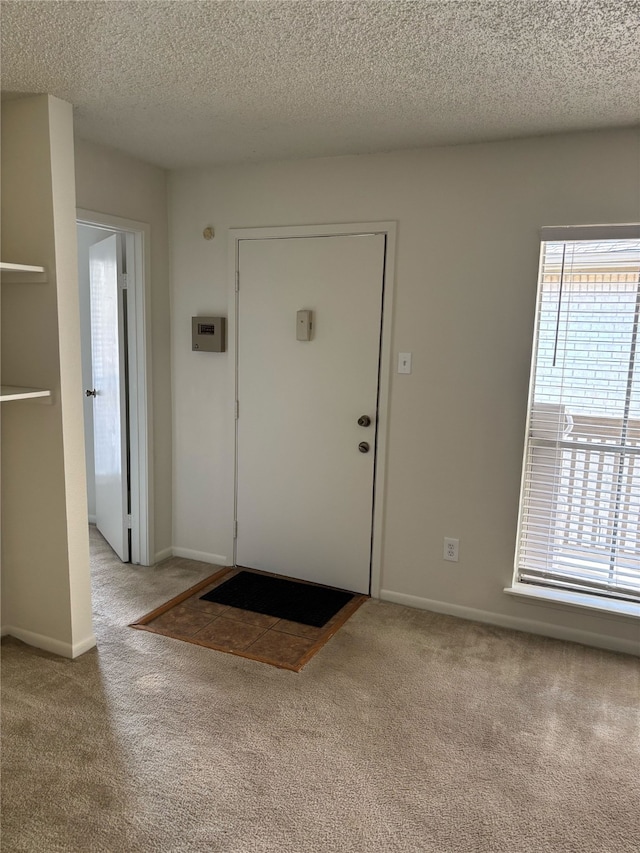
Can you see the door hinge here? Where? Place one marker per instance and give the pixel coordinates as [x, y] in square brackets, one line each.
[124, 281]
[128, 522]
[237, 280]
[237, 410]
[235, 529]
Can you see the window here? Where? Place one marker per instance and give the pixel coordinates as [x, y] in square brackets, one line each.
[580, 504]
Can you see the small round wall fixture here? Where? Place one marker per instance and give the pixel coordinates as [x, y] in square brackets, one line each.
[208, 233]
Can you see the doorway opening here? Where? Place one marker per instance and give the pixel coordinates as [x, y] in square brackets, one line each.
[112, 259]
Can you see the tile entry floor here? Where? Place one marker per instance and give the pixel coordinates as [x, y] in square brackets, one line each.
[285, 644]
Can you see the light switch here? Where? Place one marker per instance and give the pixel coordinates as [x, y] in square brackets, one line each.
[404, 362]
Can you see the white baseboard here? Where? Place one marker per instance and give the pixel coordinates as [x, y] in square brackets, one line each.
[163, 555]
[49, 644]
[530, 626]
[84, 646]
[215, 559]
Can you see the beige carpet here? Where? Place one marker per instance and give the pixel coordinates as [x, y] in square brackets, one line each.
[408, 731]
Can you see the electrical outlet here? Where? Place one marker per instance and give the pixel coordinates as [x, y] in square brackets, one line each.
[451, 549]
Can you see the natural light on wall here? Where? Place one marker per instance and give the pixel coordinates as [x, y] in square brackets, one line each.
[579, 526]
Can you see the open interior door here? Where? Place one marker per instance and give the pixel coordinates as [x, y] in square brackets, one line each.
[108, 352]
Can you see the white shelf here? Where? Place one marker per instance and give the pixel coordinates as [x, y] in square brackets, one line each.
[19, 392]
[20, 267]
[25, 273]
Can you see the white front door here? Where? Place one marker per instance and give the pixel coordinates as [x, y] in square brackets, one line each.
[108, 355]
[304, 487]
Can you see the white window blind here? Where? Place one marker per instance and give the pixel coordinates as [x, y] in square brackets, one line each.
[580, 505]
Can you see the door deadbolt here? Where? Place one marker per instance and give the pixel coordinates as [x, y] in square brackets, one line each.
[363, 447]
[91, 393]
[364, 420]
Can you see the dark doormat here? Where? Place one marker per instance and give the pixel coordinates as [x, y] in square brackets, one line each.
[285, 599]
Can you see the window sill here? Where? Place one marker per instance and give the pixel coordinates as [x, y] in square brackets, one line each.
[605, 606]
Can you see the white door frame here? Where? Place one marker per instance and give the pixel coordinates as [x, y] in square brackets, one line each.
[137, 241]
[388, 229]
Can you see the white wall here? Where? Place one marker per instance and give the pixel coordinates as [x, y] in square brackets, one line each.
[87, 236]
[466, 271]
[108, 181]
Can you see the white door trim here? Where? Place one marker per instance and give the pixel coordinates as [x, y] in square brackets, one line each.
[348, 229]
[137, 235]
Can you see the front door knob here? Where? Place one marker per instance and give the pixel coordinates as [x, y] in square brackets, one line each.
[91, 393]
[363, 447]
[364, 420]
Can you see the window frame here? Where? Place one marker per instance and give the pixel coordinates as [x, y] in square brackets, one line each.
[596, 599]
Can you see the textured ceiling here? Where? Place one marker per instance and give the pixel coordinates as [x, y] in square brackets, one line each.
[186, 83]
